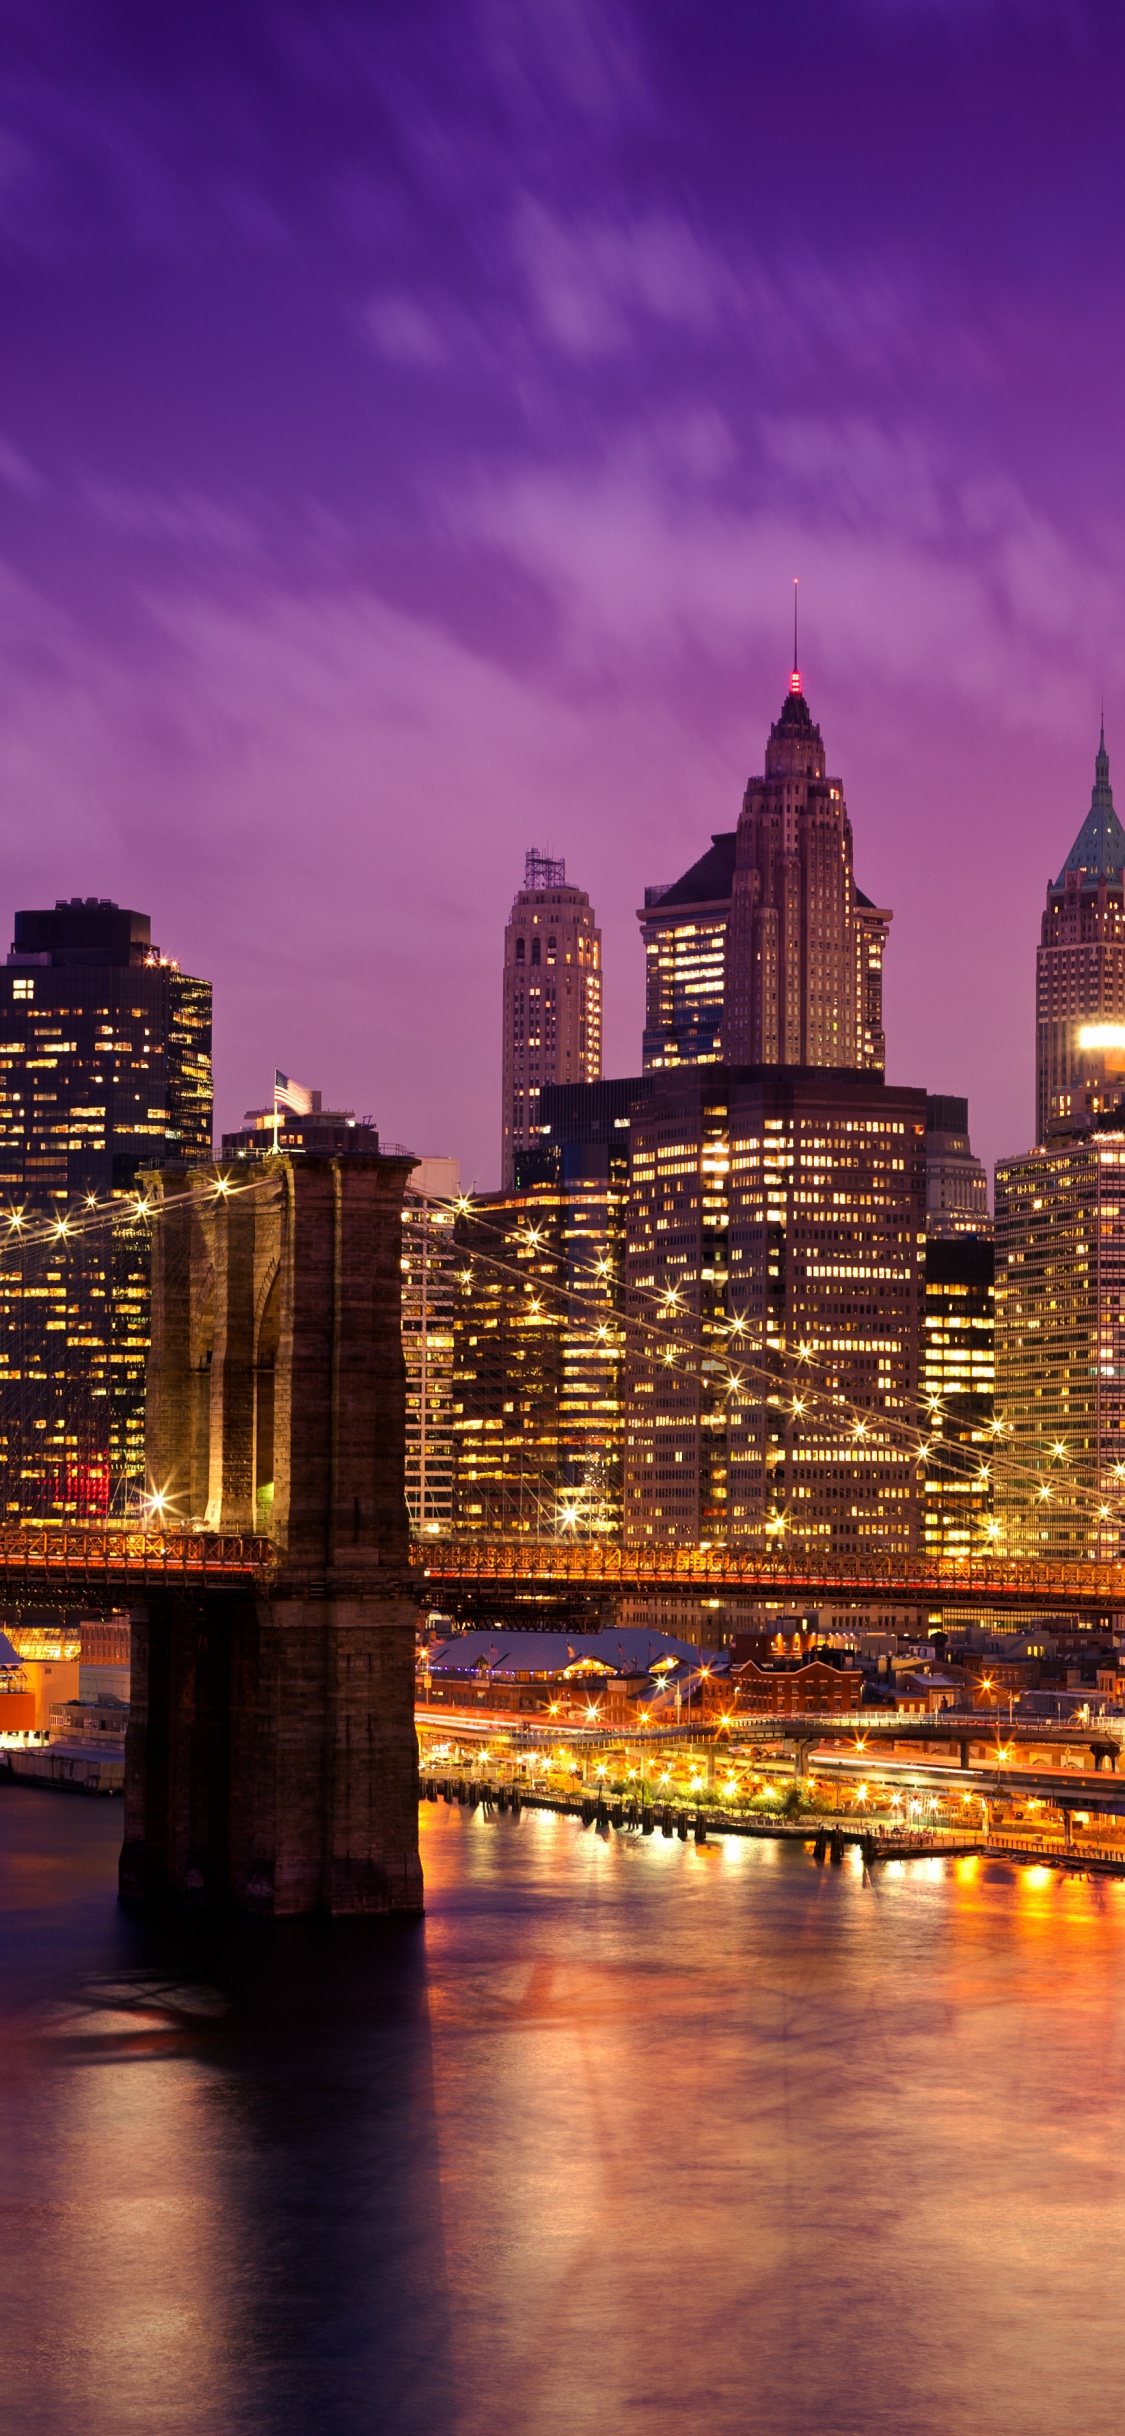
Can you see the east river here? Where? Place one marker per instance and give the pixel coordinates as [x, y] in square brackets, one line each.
[627, 2135]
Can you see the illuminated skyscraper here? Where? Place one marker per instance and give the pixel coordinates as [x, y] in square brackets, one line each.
[105, 1070]
[106, 1063]
[1060, 1347]
[804, 948]
[429, 1310]
[958, 1359]
[1080, 966]
[538, 1414]
[538, 1336]
[684, 931]
[765, 951]
[773, 1310]
[958, 1381]
[552, 998]
[956, 1183]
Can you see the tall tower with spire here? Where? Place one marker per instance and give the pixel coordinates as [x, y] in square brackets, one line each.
[803, 981]
[1080, 965]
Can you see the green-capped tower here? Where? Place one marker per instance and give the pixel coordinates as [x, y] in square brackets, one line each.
[1080, 966]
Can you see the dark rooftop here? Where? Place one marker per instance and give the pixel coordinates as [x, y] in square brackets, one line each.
[630, 1650]
[708, 882]
[81, 931]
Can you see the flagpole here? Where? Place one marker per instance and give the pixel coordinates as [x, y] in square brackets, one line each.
[275, 1112]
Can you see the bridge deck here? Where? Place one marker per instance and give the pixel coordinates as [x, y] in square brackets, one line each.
[98, 1558]
[528, 1568]
[110, 1557]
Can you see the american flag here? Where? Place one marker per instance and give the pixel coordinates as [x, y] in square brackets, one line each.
[288, 1094]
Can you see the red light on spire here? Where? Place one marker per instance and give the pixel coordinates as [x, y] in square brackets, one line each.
[795, 682]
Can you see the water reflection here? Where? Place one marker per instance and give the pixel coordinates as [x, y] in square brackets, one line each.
[627, 2134]
[224, 2166]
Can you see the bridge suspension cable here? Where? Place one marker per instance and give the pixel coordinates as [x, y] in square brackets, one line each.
[864, 1421]
[72, 1294]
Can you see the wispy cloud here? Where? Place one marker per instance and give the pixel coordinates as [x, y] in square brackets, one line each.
[403, 330]
[17, 473]
[593, 281]
[189, 521]
[957, 588]
[414, 419]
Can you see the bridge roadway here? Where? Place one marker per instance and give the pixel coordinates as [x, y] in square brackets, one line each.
[507, 1572]
[113, 1559]
[108, 1559]
[99, 1559]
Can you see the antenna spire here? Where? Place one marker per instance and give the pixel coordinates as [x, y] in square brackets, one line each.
[795, 679]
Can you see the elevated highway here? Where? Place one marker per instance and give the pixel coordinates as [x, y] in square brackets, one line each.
[873, 1730]
[977, 1735]
[1064, 1790]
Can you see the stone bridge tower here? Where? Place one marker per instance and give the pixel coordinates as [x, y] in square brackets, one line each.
[271, 1758]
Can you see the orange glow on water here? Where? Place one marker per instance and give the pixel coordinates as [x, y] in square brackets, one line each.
[434, 2153]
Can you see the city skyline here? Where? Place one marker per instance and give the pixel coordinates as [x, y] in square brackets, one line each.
[562, 1652]
[445, 515]
[476, 1134]
[720, 853]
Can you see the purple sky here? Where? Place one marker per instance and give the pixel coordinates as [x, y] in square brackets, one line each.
[412, 419]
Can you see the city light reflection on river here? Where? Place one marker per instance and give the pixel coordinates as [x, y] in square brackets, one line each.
[625, 2135]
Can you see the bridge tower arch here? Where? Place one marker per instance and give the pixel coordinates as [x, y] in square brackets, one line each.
[271, 1758]
[267, 1341]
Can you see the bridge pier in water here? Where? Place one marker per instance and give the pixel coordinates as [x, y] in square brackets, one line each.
[271, 1757]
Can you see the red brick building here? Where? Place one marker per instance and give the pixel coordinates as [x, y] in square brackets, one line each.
[788, 1689]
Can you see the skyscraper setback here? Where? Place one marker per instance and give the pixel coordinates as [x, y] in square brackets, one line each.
[552, 998]
[684, 929]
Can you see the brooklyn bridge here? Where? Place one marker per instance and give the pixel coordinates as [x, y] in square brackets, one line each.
[110, 1563]
[271, 1754]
